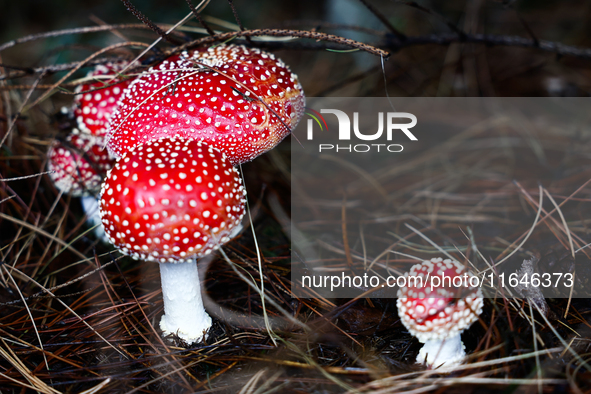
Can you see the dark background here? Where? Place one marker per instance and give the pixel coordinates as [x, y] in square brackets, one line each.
[418, 70]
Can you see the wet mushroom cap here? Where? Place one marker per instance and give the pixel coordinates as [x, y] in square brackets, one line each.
[171, 200]
[92, 110]
[444, 311]
[79, 164]
[213, 96]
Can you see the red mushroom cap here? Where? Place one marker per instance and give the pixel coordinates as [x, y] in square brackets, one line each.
[211, 95]
[267, 76]
[93, 110]
[79, 165]
[171, 200]
[443, 311]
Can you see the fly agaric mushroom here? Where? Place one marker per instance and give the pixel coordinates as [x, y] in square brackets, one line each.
[238, 100]
[92, 110]
[172, 201]
[77, 167]
[439, 303]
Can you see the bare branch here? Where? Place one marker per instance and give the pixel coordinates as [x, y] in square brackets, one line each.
[20, 110]
[82, 63]
[329, 25]
[138, 14]
[492, 40]
[384, 20]
[199, 18]
[284, 33]
[426, 10]
[78, 30]
[529, 30]
[238, 21]
[56, 68]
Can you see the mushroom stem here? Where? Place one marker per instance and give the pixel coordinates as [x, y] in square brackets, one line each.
[449, 352]
[91, 209]
[184, 313]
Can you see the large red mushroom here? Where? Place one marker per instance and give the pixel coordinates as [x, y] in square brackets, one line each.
[172, 201]
[240, 100]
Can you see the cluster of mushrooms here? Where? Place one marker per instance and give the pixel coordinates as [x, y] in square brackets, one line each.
[78, 164]
[173, 138]
[162, 149]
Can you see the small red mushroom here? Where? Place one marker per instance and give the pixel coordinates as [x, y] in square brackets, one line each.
[171, 201]
[79, 165]
[241, 101]
[438, 303]
[92, 110]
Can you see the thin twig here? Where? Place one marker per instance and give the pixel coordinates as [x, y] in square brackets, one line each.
[284, 33]
[199, 18]
[56, 68]
[529, 30]
[138, 14]
[69, 74]
[77, 30]
[492, 40]
[237, 18]
[426, 10]
[377, 48]
[384, 20]
[20, 110]
[329, 25]
[201, 5]
[20, 178]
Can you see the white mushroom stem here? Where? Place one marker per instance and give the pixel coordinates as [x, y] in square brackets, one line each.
[91, 209]
[449, 352]
[184, 314]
